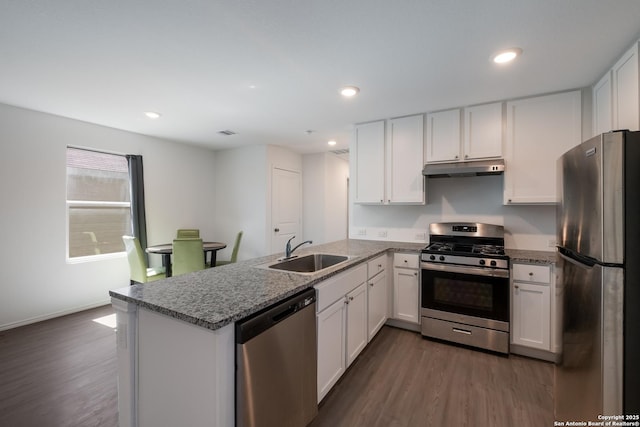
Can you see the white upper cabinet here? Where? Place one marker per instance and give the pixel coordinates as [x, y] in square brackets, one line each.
[539, 131]
[616, 97]
[405, 160]
[603, 105]
[483, 131]
[478, 136]
[369, 162]
[626, 98]
[391, 173]
[443, 136]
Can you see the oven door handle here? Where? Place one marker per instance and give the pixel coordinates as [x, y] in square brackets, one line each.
[476, 271]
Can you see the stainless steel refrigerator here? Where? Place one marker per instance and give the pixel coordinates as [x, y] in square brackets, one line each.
[599, 278]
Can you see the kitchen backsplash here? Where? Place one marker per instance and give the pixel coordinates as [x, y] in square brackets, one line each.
[475, 199]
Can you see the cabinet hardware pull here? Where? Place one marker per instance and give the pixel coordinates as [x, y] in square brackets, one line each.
[516, 286]
[276, 229]
[379, 265]
[371, 284]
[461, 331]
[415, 274]
[350, 298]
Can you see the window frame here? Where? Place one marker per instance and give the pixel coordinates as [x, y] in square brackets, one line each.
[81, 203]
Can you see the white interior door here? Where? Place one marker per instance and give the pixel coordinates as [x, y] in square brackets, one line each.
[286, 208]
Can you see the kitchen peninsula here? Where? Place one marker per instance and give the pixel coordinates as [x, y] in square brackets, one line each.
[175, 337]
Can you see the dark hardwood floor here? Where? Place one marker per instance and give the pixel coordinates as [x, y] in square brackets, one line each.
[402, 379]
[62, 372]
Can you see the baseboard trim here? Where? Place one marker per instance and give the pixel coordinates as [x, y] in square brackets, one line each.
[60, 313]
[534, 353]
[403, 325]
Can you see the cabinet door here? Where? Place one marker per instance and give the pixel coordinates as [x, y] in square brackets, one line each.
[539, 130]
[356, 322]
[406, 302]
[483, 131]
[443, 136]
[603, 105]
[531, 315]
[377, 299]
[331, 346]
[406, 159]
[369, 162]
[626, 97]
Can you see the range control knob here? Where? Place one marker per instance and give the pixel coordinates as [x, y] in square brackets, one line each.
[441, 258]
[432, 257]
[493, 263]
[481, 262]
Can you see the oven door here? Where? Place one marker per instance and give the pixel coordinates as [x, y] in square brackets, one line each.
[468, 295]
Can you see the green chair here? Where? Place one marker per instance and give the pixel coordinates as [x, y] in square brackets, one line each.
[188, 256]
[188, 233]
[138, 271]
[234, 252]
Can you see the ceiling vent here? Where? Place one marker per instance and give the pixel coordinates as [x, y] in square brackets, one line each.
[343, 151]
[226, 132]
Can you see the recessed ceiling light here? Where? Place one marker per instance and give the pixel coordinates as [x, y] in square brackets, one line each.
[349, 91]
[332, 142]
[507, 55]
[152, 115]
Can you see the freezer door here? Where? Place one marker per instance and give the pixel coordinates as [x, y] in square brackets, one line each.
[588, 379]
[590, 209]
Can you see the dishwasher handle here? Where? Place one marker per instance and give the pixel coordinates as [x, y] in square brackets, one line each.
[267, 318]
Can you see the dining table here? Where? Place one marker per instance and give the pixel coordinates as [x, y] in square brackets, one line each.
[166, 249]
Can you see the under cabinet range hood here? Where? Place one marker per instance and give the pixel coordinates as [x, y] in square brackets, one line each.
[475, 168]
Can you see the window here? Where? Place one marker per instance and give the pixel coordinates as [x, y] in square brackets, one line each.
[98, 202]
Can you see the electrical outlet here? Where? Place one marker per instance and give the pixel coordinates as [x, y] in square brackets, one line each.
[420, 236]
[362, 232]
[382, 233]
[552, 243]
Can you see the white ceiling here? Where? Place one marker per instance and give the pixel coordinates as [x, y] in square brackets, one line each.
[108, 61]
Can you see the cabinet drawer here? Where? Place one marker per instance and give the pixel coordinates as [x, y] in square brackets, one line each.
[406, 260]
[532, 273]
[331, 290]
[376, 265]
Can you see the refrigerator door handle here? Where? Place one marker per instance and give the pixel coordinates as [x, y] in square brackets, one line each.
[576, 258]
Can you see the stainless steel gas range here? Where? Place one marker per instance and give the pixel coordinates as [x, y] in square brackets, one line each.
[465, 285]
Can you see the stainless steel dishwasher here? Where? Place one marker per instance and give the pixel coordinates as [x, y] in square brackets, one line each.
[276, 365]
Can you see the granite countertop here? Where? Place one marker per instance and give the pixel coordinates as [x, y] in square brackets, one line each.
[531, 257]
[215, 297]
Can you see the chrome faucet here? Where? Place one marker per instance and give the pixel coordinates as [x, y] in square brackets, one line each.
[287, 249]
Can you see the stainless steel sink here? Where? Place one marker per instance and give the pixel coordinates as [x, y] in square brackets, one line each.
[309, 263]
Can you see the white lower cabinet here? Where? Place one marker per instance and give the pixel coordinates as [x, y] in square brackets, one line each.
[341, 324]
[406, 288]
[533, 314]
[331, 346]
[377, 295]
[356, 324]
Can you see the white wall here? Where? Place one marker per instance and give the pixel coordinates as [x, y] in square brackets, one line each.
[325, 194]
[241, 185]
[476, 199]
[243, 195]
[36, 281]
